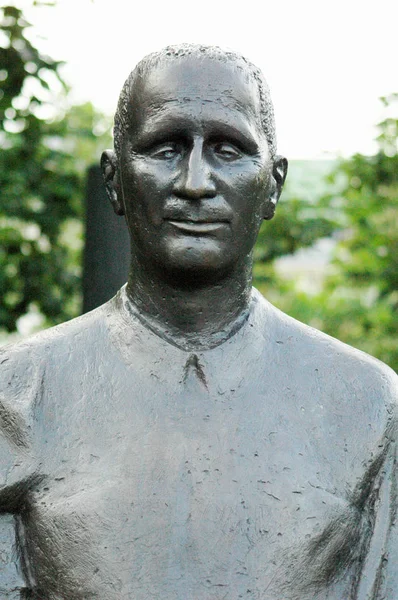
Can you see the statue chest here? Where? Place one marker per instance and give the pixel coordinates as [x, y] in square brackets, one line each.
[176, 495]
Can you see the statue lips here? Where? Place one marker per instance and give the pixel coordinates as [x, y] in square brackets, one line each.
[205, 218]
[197, 227]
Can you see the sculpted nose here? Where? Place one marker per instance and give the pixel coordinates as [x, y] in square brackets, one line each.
[195, 180]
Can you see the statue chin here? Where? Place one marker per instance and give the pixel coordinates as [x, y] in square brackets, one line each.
[192, 258]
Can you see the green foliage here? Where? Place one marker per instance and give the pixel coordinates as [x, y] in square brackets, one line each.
[26, 75]
[298, 223]
[359, 300]
[42, 173]
[362, 296]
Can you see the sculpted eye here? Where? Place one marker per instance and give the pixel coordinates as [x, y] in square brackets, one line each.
[227, 151]
[165, 152]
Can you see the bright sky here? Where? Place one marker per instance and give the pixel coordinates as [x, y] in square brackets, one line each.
[327, 62]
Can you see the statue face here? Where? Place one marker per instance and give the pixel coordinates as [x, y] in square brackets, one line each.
[195, 173]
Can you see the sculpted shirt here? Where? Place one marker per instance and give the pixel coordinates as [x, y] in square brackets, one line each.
[263, 469]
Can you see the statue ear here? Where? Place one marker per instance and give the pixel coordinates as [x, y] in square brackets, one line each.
[279, 172]
[111, 180]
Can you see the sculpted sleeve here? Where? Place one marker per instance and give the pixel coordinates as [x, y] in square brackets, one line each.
[388, 583]
[11, 580]
[379, 578]
[20, 380]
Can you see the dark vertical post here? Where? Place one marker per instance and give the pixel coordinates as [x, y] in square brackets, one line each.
[107, 246]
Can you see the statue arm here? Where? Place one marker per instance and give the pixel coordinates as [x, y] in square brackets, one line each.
[379, 576]
[385, 542]
[12, 582]
[20, 383]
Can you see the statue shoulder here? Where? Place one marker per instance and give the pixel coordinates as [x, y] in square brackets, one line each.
[27, 369]
[25, 366]
[354, 367]
[349, 396]
[37, 347]
[345, 375]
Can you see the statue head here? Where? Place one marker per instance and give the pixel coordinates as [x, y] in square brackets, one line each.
[195, 169]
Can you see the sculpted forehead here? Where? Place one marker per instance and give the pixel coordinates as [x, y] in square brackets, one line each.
[196, 84]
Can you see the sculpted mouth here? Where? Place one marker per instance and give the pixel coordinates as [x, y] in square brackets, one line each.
[197, 226]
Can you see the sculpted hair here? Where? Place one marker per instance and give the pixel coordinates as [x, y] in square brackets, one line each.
[176, 52]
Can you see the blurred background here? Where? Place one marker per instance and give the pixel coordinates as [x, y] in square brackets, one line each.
[329, 257]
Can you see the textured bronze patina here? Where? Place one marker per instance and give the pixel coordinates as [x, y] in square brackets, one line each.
[187, 440]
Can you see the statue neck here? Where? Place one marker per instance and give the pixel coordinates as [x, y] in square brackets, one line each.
[192, 317]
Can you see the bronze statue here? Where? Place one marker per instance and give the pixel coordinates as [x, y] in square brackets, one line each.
[187, 440]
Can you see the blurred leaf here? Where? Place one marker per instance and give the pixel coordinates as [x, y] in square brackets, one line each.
[359, 300]
[42, 179]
